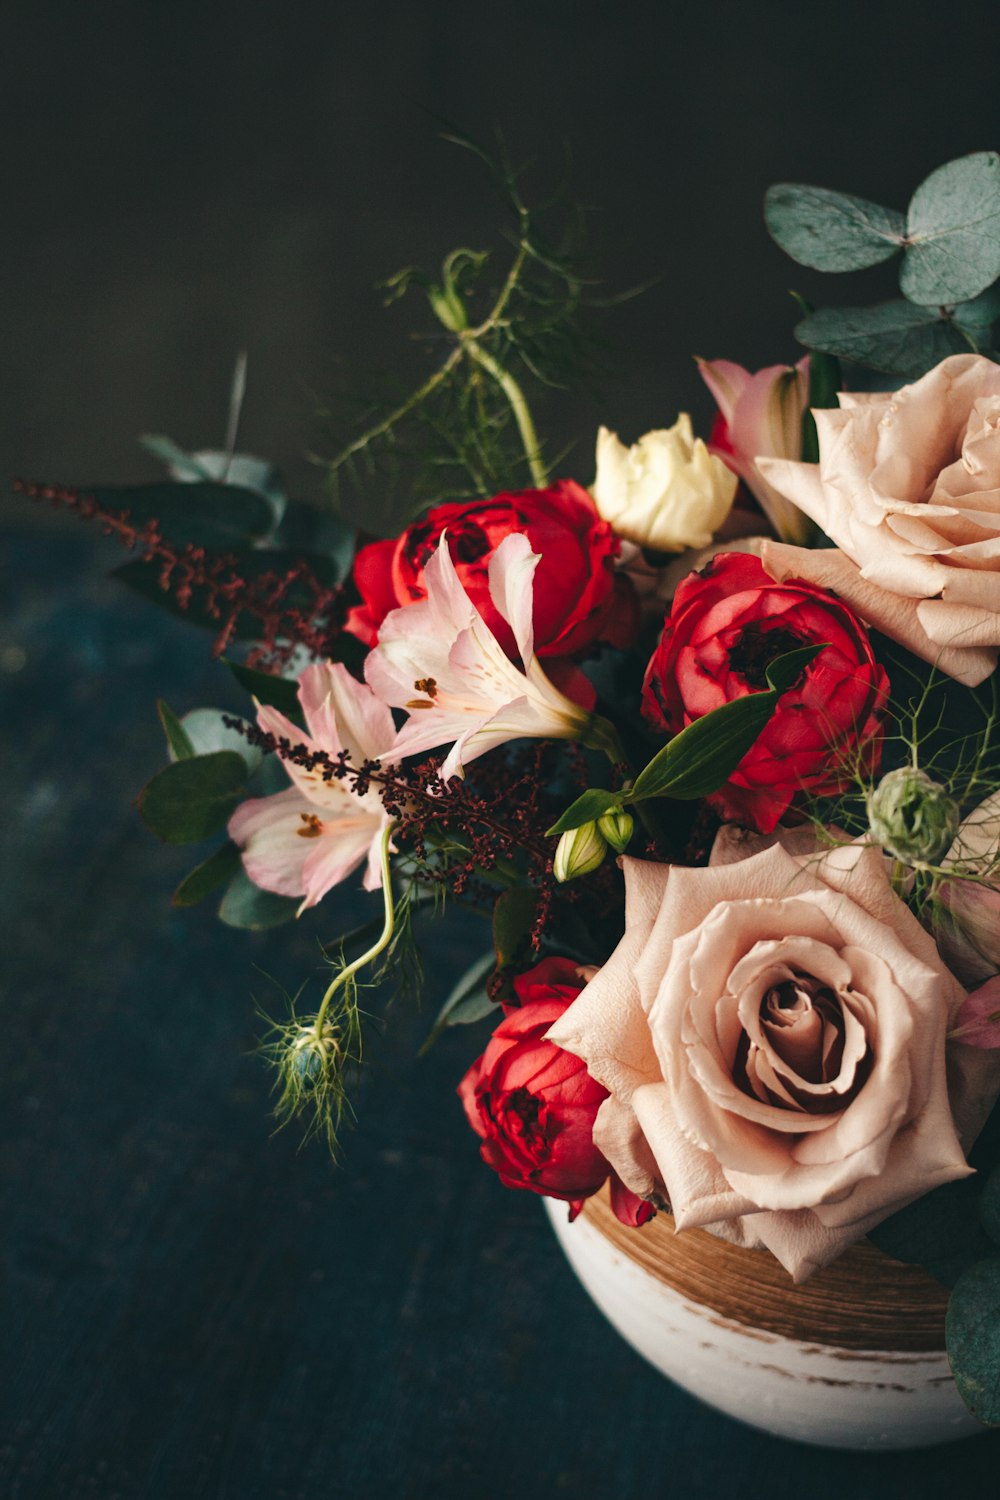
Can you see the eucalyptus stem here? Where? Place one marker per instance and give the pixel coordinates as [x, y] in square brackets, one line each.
[380, 944]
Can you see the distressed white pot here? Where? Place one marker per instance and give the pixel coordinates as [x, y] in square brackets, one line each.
[853, 1358]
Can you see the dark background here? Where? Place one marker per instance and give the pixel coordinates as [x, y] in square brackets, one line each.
[191, 1307]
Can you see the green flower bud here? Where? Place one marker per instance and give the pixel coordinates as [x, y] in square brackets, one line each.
[912, 817]
[617, 825]
[579, 851]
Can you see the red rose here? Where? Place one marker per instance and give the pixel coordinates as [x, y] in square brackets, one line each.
[578, 600]
[534, 1105]
[726, 625]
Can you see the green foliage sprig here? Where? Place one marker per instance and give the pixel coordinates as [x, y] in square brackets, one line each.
[949, 242]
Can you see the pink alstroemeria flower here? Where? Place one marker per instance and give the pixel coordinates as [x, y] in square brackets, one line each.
[304, 841]
[439, 660]
[761, 417]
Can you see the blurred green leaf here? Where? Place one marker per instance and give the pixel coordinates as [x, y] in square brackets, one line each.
[940, 1231]
[192, 799]
[513, 920]
[208, 876]
[467, 1002]
[278, 692]
[246, 905]
[207, 731]
[205, 514]
[972, 1331]
[178, 740]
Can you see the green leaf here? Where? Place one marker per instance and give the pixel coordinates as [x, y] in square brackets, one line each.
[940, 1231]
[513, 921]
[307, 528]
[208, 876]
[831, 231]
[978, 316]
[896, 337]
[701, 757]
[201, 512]
[207, 731]
[785, 671]
[192, 799]
[178, 741]
[278, 692]
[588, 807]
[953, 232]
[972, 1331]
[246, 905]
[467, 1002]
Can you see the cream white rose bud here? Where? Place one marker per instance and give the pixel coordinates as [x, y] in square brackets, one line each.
[911, 816]
[579, 851]
[666, 492]
[617, 826]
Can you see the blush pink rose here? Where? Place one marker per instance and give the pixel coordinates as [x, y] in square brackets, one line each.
[771, 1030]
[908, 489]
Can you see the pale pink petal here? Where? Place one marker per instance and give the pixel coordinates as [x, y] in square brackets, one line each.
[727, 382]
[511, 575]
[333, 857]
[267, 831]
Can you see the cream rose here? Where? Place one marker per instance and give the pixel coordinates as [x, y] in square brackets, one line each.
[908, 488]
[666, 492]
[772, 1033]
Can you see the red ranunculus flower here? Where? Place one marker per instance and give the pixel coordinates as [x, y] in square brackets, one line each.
[726, 625]
[578, 599]
[534, 1104]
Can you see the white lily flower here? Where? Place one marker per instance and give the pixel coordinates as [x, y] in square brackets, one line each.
[439, 660]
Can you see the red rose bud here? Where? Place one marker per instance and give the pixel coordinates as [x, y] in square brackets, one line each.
[726, 625]
[533, 1105]
[579, 599]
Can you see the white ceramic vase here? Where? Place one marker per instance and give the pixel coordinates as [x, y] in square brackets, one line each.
[853, 1358]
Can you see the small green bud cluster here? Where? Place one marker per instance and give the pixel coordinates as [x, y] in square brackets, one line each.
[912, 817]
[582, 850]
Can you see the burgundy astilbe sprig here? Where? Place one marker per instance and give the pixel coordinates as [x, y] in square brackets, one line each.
[490, 820]
[188, 573]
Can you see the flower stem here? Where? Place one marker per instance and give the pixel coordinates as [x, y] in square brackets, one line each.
[518, 405]
[381, 942]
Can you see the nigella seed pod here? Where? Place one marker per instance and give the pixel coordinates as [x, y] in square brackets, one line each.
[579, 851]
[912, 817]
[617, 826]
[309, 1055]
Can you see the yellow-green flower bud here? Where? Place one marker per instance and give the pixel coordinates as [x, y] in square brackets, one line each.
[617, 825]
[579, 851]
[912, 817]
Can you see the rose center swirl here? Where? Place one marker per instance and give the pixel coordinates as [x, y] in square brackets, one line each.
[796, 1059]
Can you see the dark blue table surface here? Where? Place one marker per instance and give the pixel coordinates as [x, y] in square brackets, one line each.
[194, 1307]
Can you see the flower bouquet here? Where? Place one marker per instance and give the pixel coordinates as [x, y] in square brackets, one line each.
[707, 739]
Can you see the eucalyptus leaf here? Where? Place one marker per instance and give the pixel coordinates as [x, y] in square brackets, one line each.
[701, 757]
[179, 744]
[206, 731]
[310, 529]
[831, 231]
[208, 876]
[467, 1002]
[587, 808]
[896, 337]
[972, 1332]
[953, 232]
[246, 905]
[192, 799]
